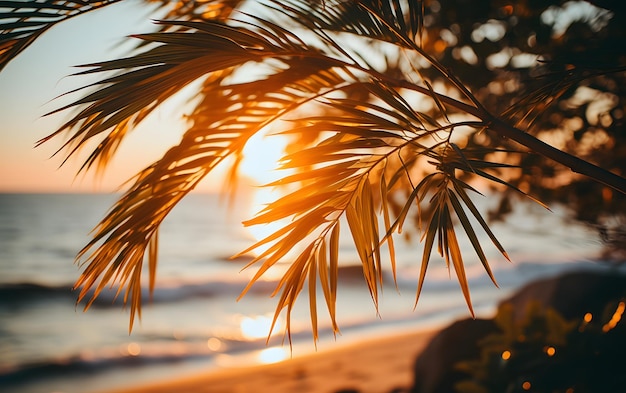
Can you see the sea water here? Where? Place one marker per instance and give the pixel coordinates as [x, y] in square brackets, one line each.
[194, 323]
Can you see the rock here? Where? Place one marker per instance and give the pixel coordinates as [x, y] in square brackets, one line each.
[433, 368]
[571, 294]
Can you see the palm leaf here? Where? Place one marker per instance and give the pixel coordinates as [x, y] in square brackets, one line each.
[469, 230]
[453, 251]
[121, 102]
[23, 22]
[384, 195]
[429, 241]
[207, 143]
[460, 190]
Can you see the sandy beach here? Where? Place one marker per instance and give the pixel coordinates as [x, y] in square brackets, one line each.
[376, 365]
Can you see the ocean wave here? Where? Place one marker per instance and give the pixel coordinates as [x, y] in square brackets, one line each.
[18, 295]
[24, 293]
[152, 350]
[78, 365]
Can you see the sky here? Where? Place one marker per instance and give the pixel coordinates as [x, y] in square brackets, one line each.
[30, 85]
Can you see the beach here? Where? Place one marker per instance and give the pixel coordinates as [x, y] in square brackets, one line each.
[195, 336]
[373, 365]
[386, 364]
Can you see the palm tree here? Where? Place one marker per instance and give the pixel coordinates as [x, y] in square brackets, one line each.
[374, 140]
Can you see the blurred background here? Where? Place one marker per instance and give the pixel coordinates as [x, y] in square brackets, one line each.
[194, 322]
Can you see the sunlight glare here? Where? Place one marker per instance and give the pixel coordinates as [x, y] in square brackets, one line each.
[261, 198]
[253, 328]
[261, 156]
[272, 355]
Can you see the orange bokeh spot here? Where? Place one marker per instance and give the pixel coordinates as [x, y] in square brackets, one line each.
[440, 46]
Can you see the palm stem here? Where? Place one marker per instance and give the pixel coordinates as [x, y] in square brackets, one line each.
[574, 163]
[536, 145]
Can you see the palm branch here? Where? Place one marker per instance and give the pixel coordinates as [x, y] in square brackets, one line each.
[352, 159]
[22, 22]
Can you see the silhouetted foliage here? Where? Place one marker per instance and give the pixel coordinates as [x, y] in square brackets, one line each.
[547, 353]
[555, 69]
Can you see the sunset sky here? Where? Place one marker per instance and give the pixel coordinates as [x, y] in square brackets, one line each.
[29, 85]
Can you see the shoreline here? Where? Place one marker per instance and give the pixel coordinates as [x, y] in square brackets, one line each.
[373, 365]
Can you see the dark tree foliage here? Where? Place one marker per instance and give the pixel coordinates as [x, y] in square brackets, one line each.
[574, 95]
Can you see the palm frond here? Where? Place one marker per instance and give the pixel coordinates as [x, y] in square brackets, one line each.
[146, 80]
[336, 177]
[550, 88]
[226, 117]
[356, 17]
[23, 22]
[364, 144]
[345, 177]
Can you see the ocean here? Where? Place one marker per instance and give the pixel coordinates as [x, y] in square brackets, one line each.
[194, 323]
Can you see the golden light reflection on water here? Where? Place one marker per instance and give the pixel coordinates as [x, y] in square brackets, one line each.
[253, 328]
[214, 344]
[133, 349]
[265, 356]
[272, 355]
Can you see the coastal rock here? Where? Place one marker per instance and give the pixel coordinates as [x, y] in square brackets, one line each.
[571, 294]
[433, 368]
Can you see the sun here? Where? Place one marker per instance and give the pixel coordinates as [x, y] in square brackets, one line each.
[261, 197]
[261, 156]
